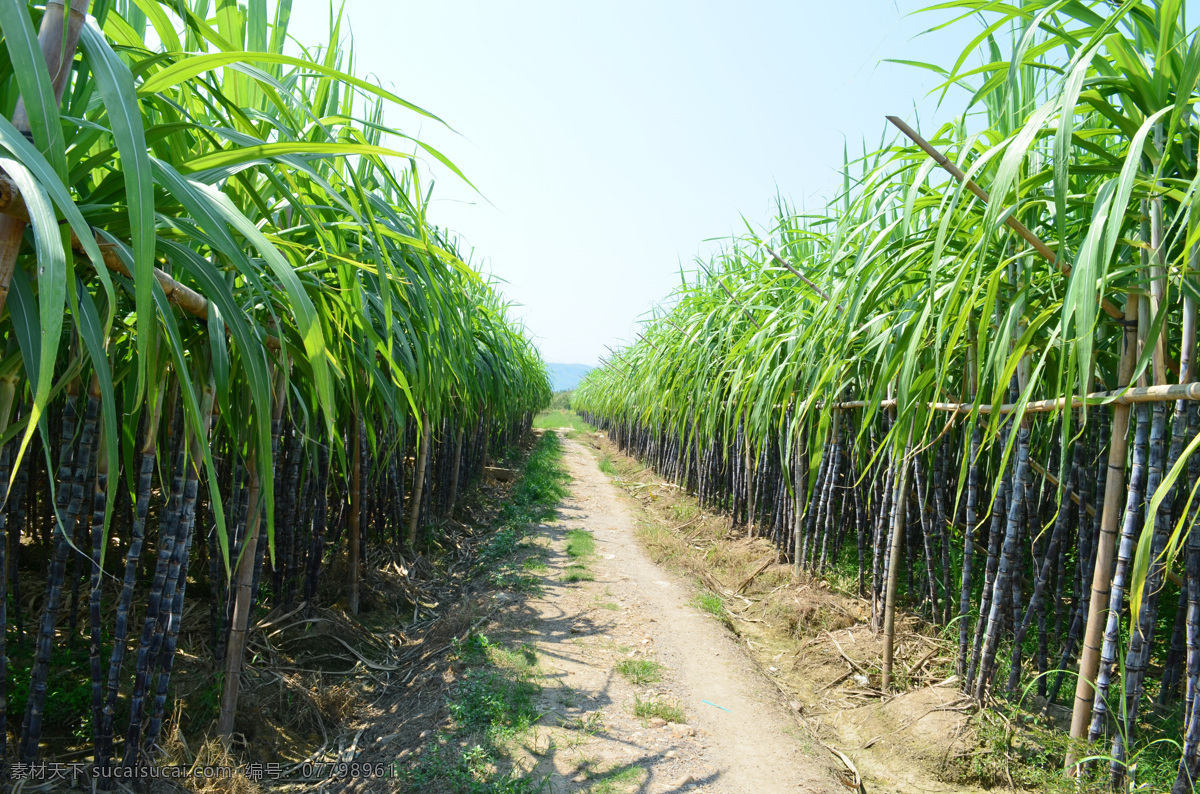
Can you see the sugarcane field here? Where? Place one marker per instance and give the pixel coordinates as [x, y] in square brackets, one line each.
[879, 472]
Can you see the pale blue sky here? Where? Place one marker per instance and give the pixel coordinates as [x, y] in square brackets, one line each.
[609, 140]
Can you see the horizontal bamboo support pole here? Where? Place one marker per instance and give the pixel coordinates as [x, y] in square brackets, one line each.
[1144, 394]
[186, 298]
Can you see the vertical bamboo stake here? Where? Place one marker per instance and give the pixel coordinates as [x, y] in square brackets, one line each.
[419, 480]
[1089, 657]
[889, 608]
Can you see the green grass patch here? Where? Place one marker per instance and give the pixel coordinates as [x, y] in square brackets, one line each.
[591, 724]
[1019, 748]
[710, 603]
[555, 418]
[607, 465]
[578, 573]
[650, 708]
[580, 543]
[492, 706]
[685, 510]
[617, 780]
[507, 558]
[640, 671]
[497, 704]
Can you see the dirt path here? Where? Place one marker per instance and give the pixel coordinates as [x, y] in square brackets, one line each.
[738, 735]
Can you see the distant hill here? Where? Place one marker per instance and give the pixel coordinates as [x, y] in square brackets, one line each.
[567, 376]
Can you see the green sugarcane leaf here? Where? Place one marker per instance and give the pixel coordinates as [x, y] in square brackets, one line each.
[162, 24]
[92, 331]
[1129, 172]
[307, 323]
[22, 306]
[51, 271]
[191, 409]
[193, 65]
[115, 85]
[219, 353]
[264, 153]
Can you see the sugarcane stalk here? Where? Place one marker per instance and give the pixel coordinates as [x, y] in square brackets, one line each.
[157, 603]
[241, 611]
[1007, 566]
[179, 566]
[355, 508]
[458, 448]
[320, 521]
[8, 388]
[878, 585]
[1043, 575]
[133, 555]
[964, 593]
[1177, 653]
[419, 481]
[1116, 599]
[18, 505]
[1189, 761]
[99, 502]
[922, 492]
[939, 506]
[1142, 630]
[800, 488]
[73, 471]
[1000, 502]
[1088, 533]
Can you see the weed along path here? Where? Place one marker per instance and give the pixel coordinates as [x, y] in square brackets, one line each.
[642, 690]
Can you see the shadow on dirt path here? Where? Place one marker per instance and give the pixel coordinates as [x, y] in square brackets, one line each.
[708, 723]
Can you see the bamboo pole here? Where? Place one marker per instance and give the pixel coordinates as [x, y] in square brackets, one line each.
[899, 510]
[737, 303]
[1119, 397]
[1089, 657]
[1074, 496]
[802, 277]
[982, 195]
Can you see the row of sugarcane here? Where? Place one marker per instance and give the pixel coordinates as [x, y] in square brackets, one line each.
[969, 380]
[1024, 571]
[235, 354]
